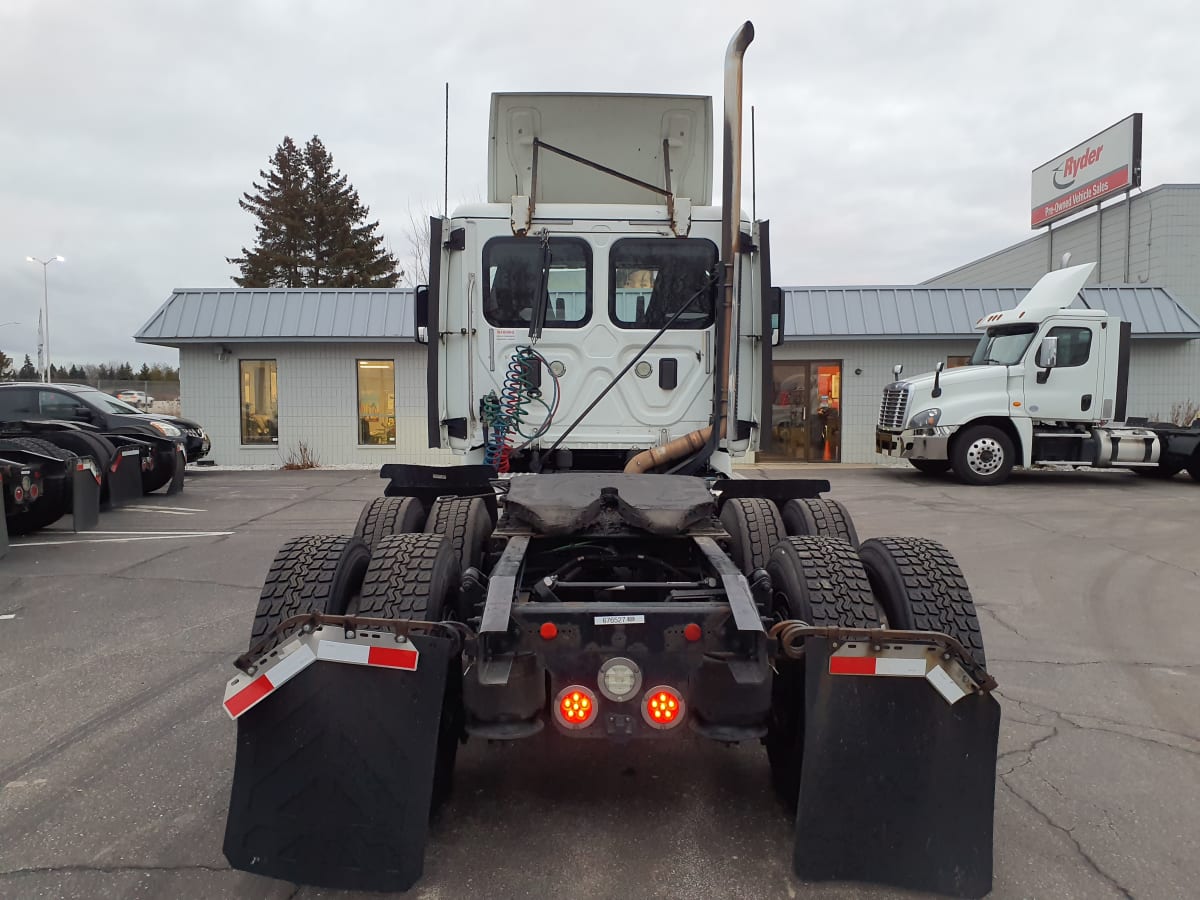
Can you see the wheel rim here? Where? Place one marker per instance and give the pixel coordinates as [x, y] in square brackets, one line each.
[985, 456]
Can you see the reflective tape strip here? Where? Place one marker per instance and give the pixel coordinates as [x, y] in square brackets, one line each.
[280, 673]
[877, 665]
[368, 655]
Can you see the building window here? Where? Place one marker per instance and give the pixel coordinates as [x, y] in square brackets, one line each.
[260, 401]
[650, 279]
[954, 362]
[376, 401]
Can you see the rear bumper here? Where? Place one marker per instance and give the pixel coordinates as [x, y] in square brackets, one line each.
[722, 675]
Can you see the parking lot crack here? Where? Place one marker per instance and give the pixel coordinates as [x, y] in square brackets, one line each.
[1069, 834]
[109, 870]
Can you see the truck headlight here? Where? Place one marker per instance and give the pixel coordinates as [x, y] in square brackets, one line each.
[926, 418]
[166, 429]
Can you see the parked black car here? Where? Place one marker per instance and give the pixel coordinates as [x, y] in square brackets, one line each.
[32, 401]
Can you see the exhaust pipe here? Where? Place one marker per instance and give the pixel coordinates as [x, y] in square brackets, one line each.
[731, 232]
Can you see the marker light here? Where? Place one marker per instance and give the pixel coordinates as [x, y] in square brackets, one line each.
[575, 707]
[662, 707]
[548, 631]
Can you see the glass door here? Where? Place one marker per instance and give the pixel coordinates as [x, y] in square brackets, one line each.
[806, 415]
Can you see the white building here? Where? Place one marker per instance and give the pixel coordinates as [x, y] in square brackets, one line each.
[338, 371]
[267, 371]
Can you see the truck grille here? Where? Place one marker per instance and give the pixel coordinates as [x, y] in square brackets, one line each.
[893, 407]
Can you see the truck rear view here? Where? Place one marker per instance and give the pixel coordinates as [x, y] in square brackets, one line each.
[598, 335]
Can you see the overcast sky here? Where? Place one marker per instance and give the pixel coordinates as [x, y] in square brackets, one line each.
[894, 139]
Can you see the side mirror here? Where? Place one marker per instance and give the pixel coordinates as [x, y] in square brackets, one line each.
[1047, 355]
[897, 369]
[775, 309]
[421, 313]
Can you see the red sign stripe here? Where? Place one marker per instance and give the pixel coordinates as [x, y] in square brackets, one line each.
[249, 695]
[851, 665]
[393, 658]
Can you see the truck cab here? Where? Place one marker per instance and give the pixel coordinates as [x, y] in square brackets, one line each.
[1046, 384]
[574, 269]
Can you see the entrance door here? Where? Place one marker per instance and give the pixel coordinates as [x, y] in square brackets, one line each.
[806, 415]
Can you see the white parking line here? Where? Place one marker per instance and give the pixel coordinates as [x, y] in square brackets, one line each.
[170, 510]
[8, 616]
[129, 537]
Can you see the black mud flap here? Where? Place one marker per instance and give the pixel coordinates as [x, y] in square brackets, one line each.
[897, 786]
[334, 775]
[178, 462]
[85, 495]
[3, 522]
[125, 477]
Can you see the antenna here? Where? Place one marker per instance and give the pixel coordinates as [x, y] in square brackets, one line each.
[446, 160]
[753, 172]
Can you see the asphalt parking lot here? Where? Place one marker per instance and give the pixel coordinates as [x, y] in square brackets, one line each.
[115, 756]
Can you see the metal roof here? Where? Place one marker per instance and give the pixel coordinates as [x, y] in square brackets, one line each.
[281, 314]
[913, 313]
[817, 313]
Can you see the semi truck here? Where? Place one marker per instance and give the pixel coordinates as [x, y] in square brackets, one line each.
[1046, 385]
[599, 337]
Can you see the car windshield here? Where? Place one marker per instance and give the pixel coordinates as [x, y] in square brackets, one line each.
[1003, 345]
[107, 403]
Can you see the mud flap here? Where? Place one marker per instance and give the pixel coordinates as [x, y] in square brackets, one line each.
[85, 495]
[125, 477]
[334, 775]
[3, 522]
[897, 785]
[175, 485]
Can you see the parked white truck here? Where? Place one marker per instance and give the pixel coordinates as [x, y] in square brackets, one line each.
[1046, 385]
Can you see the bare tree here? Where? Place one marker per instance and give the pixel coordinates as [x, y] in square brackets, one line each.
[416, 266]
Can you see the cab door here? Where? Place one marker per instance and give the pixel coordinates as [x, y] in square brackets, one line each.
[1070, 390]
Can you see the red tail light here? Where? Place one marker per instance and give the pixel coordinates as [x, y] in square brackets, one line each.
[575, 707]
[663, 707]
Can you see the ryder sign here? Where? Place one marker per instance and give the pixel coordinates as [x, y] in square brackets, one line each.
[1101, 166]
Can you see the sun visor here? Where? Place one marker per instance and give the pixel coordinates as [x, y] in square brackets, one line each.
[624, 132]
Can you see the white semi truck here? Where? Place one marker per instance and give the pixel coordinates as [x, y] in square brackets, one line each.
[1046, 385]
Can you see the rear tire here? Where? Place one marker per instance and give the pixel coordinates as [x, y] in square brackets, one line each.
[316, 573]
[466, 522]
[756, 527]
[982, 454]
[385, 516]
[83, 443]
[819, 580]
[931, 466]
[819, 518]
[416, 576]
[920, 587]
[1193, 466]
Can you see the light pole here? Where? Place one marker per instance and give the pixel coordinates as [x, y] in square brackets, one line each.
[45, 308]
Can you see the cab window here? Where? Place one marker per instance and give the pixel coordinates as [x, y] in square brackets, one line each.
[651, 279]
[513, 268]
[1074, 344]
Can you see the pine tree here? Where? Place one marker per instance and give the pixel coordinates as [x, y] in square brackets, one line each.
[312, 227]
[27, 372]
[6, 367]
[143, 374]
